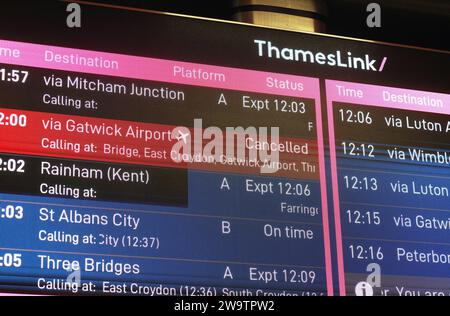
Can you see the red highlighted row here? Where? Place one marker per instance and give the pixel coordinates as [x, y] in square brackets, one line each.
[87, 138]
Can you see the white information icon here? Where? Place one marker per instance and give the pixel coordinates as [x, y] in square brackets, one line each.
[363, 289]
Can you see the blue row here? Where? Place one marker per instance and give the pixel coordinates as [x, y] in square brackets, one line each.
[163, 271]
[398, 258]
[396, 223]
[179, 236]
[418, 195]
[393, 153]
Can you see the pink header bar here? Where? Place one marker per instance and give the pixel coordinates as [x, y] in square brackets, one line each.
[403, 99]
[78, 60]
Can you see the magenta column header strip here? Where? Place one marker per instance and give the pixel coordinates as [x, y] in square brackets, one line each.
[381, 96]
[34, 55]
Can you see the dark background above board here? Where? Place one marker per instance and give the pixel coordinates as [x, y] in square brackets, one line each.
[423, 23]
[209, 42]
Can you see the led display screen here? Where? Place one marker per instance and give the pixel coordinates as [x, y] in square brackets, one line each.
[155, 154]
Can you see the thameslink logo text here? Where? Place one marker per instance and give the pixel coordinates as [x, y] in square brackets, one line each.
[335, 59]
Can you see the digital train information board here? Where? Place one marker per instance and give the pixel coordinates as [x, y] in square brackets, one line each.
[169, 155]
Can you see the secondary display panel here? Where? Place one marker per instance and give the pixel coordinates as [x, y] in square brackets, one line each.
[172, 155]
[390, 187]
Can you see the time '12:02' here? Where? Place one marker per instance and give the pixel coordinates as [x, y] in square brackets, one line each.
[12, 165]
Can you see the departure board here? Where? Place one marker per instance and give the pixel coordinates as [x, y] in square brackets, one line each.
[155, 154]
[390, 185]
